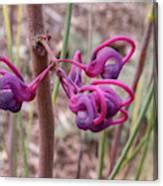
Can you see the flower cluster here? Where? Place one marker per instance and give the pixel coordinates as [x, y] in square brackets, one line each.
[96, 105]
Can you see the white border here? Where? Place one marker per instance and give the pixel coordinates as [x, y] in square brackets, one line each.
[54, 182]
[66, 1]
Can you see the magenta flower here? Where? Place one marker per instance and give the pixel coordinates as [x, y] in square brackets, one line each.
[96, 104]
[97, 64]
[13, 90]
[102, 55]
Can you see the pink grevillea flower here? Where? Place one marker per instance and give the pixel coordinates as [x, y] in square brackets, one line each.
[13, 90]
[102, 55]
[96, 105]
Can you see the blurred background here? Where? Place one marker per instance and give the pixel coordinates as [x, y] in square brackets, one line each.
[76, 152]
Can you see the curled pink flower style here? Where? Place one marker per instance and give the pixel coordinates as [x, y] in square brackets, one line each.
[102, 55]
[96, 105]
[13, 90]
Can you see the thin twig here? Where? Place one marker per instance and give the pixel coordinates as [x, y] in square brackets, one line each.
[133, 134]
[101, 154]
[142, 57]
[23, 145]
[139, 71]
[12, 137]
[80, 156]
[142, 60]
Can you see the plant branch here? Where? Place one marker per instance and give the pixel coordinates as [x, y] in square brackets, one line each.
[44, 103]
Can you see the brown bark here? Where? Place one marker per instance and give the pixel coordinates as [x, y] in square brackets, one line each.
[44, 102]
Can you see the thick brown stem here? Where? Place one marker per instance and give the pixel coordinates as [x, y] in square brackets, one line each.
[44, 102]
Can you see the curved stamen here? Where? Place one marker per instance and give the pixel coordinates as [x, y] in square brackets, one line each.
[115, 39]
[121, 119]
[11, 66]
[119, 84]
[102, 115]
